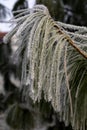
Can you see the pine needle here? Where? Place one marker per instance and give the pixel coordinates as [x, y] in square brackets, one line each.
[48, 68]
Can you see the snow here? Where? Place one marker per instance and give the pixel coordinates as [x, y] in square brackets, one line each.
[31, 3]
[5, 27]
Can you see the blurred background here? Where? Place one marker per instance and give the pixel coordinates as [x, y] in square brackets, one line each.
[6, 11]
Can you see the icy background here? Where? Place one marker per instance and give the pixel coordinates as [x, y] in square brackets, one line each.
[5, 27]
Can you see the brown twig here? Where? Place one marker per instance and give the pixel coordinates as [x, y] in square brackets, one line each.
[82, 52]
[67, 82]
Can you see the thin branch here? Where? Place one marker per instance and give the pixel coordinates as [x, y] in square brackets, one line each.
[83, 53]
[67, 82]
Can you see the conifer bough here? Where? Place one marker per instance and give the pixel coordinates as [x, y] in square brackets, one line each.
[54, 63]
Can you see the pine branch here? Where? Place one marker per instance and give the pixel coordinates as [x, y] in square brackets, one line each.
[49, 70]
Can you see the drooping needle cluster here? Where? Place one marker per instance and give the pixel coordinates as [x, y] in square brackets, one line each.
[54, 63]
